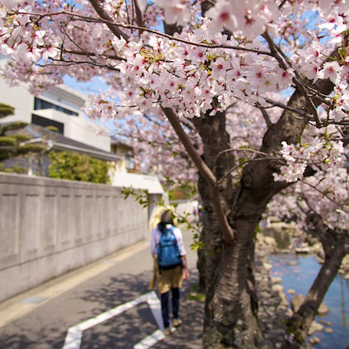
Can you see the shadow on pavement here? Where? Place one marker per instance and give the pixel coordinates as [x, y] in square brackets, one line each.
[46, 327]
[23, 337]
[130, 327]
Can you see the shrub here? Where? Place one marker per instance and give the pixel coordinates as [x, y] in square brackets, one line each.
[78, 167]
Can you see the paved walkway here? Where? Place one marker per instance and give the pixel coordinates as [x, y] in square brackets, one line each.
[104, 305]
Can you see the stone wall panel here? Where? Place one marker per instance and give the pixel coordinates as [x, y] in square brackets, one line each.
[49, 226]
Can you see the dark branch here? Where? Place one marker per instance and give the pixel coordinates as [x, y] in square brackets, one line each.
[107, 20]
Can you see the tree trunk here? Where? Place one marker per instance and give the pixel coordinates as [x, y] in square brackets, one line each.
[231, 302]
[298, 326]
[201, 265]
[201, 262]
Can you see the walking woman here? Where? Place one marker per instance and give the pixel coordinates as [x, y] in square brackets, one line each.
[167, 242]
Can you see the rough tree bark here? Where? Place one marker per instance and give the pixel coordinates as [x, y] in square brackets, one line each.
[230, 311]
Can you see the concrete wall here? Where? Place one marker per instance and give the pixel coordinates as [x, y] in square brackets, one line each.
[48, 227]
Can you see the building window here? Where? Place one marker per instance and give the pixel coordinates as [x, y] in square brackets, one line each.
[130, 165]
[44, 122]
[41, 104]
[113, 149]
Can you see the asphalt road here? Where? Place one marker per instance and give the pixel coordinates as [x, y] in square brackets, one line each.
[40, 318]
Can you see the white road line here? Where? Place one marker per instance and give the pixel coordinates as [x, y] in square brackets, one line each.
[149, 341]
[73, 338]
[155, 307]
[74, 334]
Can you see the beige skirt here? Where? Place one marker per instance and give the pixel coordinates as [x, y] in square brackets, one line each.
[171, 278]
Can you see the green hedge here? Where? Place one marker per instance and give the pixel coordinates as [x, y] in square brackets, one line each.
[8, 141]
[6, 110]
[78, 167]
[18, 170]
[30, 148]
[18, 125]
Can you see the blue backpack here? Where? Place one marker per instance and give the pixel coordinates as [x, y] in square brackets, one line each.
[168, 251]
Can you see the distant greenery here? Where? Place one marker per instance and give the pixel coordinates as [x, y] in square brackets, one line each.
[64, 165]
[185, 191]
[78, 167]
[10, 141]
[15, 169]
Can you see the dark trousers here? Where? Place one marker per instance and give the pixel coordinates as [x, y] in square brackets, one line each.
[164, 305]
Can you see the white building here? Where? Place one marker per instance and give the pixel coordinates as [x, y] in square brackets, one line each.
[61, 106]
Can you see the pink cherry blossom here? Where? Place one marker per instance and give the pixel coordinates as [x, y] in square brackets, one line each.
[219, 68]
[222, 16]
[331, 70]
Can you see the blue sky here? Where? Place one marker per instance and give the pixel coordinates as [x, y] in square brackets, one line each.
[94, 86]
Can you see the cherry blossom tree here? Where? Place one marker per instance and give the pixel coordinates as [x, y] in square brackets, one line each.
[318, 204]
[239, 83]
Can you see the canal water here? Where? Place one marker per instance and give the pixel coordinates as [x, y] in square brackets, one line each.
[300, 278]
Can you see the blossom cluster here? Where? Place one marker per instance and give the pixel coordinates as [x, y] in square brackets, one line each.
[99, 107]
[330, 198]
[197, 71]
[185, 73]
[189, 78]
[153, 140]
[323, 194]
[320, 154]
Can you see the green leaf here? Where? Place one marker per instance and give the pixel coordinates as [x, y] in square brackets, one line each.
[52, 128]
[21, 138]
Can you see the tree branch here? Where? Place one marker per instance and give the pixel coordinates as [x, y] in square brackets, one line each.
[298, 326]
[297, 80]
[237, 149]
[287, 107]
[245, 163]
[114, 27]
[265, 115]
[139, 18]
[211, 180]
[107, 20]
[93, 54]
[72, 62]
[74, 43]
